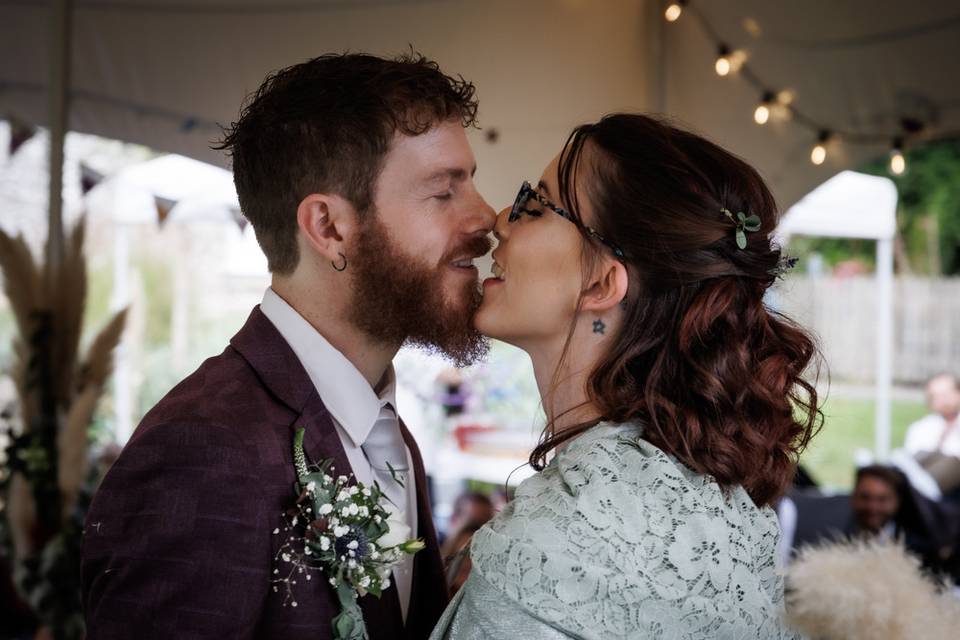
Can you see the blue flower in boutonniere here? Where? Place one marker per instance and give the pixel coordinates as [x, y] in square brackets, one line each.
[744, 224]
[349, 533]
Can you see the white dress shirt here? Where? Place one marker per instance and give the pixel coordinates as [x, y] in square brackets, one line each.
[925, 435]
[352, 403]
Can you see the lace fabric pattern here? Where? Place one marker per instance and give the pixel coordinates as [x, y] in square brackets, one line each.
[616, 539]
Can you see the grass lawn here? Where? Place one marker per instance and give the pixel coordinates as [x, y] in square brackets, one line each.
[847, 426]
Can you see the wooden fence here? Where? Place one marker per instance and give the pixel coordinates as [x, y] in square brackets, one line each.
[843, 314]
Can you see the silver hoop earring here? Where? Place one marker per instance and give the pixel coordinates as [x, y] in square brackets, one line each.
[340, 268]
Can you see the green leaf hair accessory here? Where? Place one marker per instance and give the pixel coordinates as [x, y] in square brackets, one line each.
[744, 224]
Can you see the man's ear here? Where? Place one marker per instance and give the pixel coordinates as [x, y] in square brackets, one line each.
[328, 222]
[608, 287]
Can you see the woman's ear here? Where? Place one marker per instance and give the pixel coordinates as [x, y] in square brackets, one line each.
[608, 287]
[327, 222]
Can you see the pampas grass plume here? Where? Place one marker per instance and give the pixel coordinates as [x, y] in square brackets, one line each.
[856, 590]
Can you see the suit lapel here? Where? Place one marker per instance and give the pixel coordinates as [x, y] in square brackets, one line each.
[281, 372]
[429, 594]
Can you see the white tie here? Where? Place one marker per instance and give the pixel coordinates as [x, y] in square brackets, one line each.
[387, 455]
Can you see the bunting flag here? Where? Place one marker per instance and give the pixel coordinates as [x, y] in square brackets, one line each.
[164, 207]
[20, 132]
[89, 178]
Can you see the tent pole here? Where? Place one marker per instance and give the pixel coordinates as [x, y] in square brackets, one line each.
[656, 58]
[122, 393]
[59, 108]
[884, 364]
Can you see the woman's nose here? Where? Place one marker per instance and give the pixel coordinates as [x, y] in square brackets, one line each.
[500, 229]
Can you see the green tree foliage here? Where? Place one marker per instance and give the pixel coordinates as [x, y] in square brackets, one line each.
[928, 214]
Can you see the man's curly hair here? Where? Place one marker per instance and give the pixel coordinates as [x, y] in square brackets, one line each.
[324, 126]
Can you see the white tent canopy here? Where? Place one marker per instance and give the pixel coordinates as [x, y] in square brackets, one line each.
[855, 205]
[848, 205]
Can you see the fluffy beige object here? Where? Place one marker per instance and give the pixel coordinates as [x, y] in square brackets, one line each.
[867, 591]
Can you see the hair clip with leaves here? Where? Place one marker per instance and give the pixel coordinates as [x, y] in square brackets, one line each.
[745, 223]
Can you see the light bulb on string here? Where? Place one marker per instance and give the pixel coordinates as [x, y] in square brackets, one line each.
[672, 14]
[819, 152]
[723, 64]
[762, 113]
[898, 164]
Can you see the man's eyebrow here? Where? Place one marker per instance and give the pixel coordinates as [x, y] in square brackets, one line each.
[456, 174]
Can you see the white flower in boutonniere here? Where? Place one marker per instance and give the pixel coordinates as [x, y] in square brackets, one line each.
[350, 533]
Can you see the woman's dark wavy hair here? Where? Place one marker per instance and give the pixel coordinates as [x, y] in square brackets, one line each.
[715, 377]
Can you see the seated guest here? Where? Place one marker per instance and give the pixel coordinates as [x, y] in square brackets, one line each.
[875, 502]
[470, 512]
[885, 507]
[469, 509]
[938, 432]
[456, 557]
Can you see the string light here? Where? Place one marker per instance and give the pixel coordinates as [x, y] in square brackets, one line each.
[819, 152]
[762, 112]
[780, 106]
[723, 60]
[898, 164]
[674, 10]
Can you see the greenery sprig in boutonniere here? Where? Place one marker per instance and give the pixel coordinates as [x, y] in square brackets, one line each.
[351, 534]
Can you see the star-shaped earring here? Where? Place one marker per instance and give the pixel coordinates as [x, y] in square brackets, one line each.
[599, 327]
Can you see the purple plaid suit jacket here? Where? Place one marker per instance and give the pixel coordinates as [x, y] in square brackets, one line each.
[179, 540]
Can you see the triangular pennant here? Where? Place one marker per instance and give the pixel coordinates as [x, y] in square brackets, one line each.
[89, 178]
[164, 207]
[20, 132]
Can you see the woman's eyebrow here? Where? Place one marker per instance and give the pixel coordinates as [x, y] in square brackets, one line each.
[543, 186]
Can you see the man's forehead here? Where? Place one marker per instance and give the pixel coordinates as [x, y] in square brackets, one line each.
[941, 384]
[438, 157]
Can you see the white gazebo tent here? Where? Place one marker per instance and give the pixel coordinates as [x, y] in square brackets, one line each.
[856, 205]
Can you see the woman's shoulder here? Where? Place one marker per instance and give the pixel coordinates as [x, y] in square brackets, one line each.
[612, 478]
[613, 514]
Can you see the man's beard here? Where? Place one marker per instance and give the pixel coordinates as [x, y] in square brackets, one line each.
[399, 299]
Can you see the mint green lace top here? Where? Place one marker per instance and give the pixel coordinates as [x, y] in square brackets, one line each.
[616, 539]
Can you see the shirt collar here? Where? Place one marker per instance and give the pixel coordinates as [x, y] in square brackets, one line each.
[343, 389]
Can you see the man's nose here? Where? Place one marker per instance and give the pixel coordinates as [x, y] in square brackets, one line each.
[483, 216]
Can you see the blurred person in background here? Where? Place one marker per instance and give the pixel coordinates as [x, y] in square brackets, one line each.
[938, 432]
[875, 502]
[471, 511]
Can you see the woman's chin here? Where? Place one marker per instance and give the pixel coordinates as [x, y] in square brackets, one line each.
[486, 321]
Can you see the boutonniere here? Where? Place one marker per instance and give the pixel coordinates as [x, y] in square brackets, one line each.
[349, 532]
